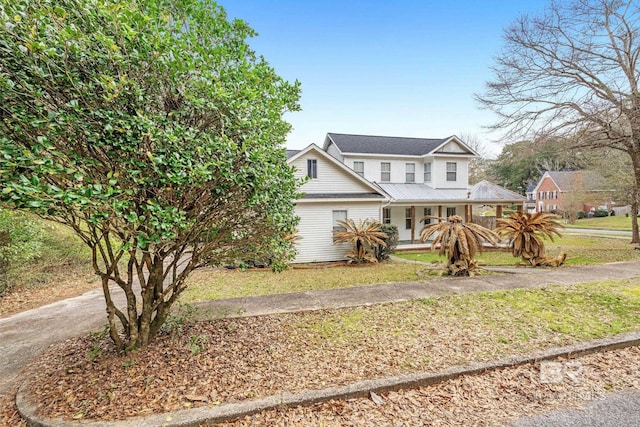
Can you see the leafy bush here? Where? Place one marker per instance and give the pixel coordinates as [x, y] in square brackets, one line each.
[391, 241]
[581, 215]
[600, 213]
[20, 241]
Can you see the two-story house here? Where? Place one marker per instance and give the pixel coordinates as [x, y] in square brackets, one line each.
[389, 179]
[571, 191]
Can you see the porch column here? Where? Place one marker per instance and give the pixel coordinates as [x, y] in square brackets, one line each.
[439, 212]
[499, 211]
[413, 224]
[468, 213]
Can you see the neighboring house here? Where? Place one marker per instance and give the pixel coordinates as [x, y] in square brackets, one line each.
[571, 191]
[389, 179]
[530, 204]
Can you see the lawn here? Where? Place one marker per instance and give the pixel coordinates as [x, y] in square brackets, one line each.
[218, 283]
[605, 223]
[210, 284]
[580, 250]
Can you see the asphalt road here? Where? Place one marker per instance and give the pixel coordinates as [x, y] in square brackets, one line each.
[617, 410]
[620, 233]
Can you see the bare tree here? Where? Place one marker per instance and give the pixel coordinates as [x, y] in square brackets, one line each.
[479, 167]
[573, 71]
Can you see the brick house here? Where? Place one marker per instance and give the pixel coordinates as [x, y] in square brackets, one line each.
[568, 192]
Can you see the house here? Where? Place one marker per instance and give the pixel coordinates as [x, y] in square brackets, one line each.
[333, 192]
[393, 180]
[571, 191]
[530, 193]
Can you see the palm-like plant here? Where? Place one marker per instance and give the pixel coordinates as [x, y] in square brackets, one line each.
[460, 241]
[364, 236]
[525, 232]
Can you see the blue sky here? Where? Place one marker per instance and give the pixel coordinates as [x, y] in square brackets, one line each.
[394, 68]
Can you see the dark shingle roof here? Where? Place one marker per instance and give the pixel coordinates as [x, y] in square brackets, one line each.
[291, 153]
[578, 180]
[384, 144]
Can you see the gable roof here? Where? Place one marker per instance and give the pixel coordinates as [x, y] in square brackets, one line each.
[291, 153]
[389, 145]
[374, 191]
[583, 179]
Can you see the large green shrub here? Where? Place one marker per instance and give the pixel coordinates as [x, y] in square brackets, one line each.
[152, 130]
[391, 242]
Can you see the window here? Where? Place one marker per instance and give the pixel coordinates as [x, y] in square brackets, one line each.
[386, 215]
[555, 194]
[339, 216]
[452, 168]
[358, 167]
[427, 212]
[312, 168]
[451, 212]
[385, 171]
[410, 175]
[427, 172]
[408, 220]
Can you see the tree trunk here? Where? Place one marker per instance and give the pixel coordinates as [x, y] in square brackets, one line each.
[635, 198]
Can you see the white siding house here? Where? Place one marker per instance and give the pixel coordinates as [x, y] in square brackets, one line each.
[332, 192]
[389, 179]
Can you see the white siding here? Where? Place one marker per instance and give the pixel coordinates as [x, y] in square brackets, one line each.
[372, 170]
[316, 228]
[331, 177]
[452, 147]
[333, 151]
[398, 218]
[439, 173]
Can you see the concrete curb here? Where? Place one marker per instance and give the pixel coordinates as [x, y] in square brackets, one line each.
[197, 416]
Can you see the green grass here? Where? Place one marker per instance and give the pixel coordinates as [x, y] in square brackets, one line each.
[580, 250]
[523, 317]
[622, 223]
[62, 253]
[221, 283]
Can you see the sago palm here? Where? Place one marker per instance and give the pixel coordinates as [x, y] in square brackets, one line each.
[364, 236]
[460, 242]
[525, 232]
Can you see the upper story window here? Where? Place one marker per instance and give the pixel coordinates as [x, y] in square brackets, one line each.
[386, 215]
[427, 172]
[312, 168]
[410, 172]
[358, 167]
[452, 171]
[385, 171]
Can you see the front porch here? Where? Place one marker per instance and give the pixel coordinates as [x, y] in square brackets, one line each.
[413, 205]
